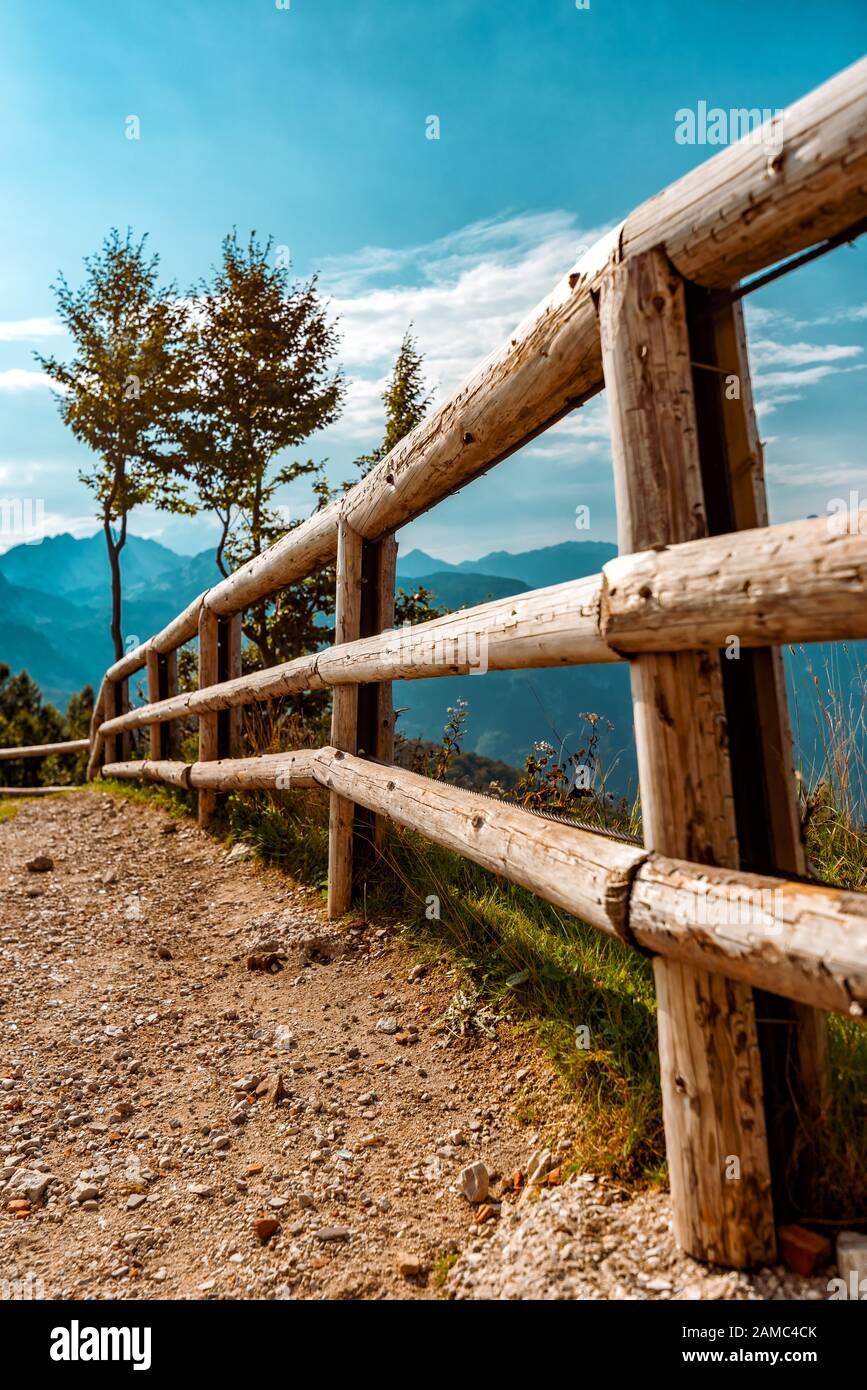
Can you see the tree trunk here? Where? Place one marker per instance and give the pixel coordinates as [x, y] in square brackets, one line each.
[114, 564]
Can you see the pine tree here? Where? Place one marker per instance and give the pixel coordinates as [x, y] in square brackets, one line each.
[404, 398]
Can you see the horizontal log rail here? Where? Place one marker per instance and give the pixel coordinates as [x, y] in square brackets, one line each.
[47, 750]
[804, 940]
[77, 745]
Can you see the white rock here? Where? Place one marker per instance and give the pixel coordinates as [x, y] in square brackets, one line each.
[84, 1192]
[27, 1182]
[238, 852]
[852, 1256]
[474, 1181]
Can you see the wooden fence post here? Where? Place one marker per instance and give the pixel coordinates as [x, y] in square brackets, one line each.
[793, 1037]
[375, 703]
[116, 747]
[219, 731]
[229, 721]
[344, 719]
[162, 675]
[208, 723]
[709, 1057]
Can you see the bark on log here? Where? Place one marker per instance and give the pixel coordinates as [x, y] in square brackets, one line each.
[707, 1026]
[797, 582]
[344, 721]
[46, 750]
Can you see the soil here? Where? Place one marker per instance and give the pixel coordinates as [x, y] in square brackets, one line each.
[209, 1091]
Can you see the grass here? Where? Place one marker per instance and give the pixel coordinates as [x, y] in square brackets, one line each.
[173, 800]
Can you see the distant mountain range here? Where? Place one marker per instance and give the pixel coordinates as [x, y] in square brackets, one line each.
[55, 601]
[55, 615]
[536, 569]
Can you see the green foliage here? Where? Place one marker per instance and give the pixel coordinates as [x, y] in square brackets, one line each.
[405, 401]
[25, 722]
[261, 349]
[416, 607]
[126, 382]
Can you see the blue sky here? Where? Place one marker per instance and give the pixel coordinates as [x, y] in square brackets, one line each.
[309, 124]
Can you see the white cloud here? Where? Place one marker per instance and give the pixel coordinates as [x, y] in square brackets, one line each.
[29, 330]
[767, 351]
[21, 379]
[463, 294]
[807, 474]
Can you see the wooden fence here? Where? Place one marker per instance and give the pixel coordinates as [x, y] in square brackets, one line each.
[746, 953]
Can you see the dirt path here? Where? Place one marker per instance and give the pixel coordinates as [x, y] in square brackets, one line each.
[143, 1133]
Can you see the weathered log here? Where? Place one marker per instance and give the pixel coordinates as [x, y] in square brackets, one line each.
[47, 750]
[584, 873]
[707, 1026]
[117, 708]
[97, 738]
[792, 1038]
[802, 940]
[794, 582]
[176, 774]
[268, 772]
[344, 720]
[153, 674]
[383, 716]
[230, 662]
[801, 581]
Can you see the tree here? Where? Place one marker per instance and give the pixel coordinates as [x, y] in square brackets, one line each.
[406, 404]
[404, 399]
[262, 350]
[25, 722]
[125, 384]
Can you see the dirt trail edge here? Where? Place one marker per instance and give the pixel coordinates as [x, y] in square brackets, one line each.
[175, 1124]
